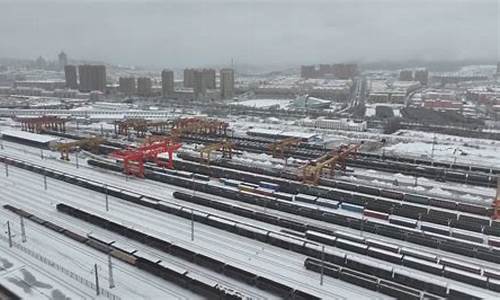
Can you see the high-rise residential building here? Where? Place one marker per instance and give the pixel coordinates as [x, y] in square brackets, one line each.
[209, 75]
[167, 82]
[227, 83]
[40, 63]
[127, 85]
[422, 76]
[308, 71]
[199, 84]
[325, 69]
[71, 77]
[189, 78]
[63, 60]
[144, 85]
[344, 71]
[406, 75]
[92, 78]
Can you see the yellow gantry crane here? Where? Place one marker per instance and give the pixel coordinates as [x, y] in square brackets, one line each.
[313, 170]
[279, 148]
[89, 144]
[225, 147]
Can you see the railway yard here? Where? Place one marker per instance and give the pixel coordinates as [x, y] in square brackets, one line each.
[193, 209]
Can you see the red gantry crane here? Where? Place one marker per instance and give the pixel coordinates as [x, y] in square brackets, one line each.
[134, 159]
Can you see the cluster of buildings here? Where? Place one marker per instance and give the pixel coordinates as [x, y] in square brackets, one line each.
[85, 78]
[340, 71]
[485, 95]
[382, 91]
[420, 75]
[198, 84]
[441, 100]
[288, 87]
[335, 124]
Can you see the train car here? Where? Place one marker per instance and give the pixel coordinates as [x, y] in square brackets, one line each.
[239, 274]
[420, 282]
[414, 198]
[269, 185]
[418, 254]
[450, 262]
[359, 279]
[305, 198]
[283, 196]
[385, 255]
[123, 256]
[368, 266]
[327, 203]
[423, 265]
[321, 237]
[466, 235]
[99, 246]
[317, 266]
[474, 209]
[382, 245]
[75, 236]
[352, 207]
[274, 287]
[398, 291]
[402, 221]
[375, 214]
[351, 246]
[470, 278]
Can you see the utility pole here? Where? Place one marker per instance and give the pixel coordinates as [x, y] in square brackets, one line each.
[110, 267]
[6, 168]
[76, 159]
[192, 225]
[23, 230]
[433, 146]
[322, 264]
[44, 181]
[41, 153]
[10, 235]
[106, 195]
[96, 280]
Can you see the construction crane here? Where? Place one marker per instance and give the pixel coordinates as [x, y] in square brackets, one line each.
[279, 148]
[134, 159]
[90, 144]
[225, 147]
[312, 171]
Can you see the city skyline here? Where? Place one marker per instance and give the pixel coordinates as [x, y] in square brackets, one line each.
[200, 33]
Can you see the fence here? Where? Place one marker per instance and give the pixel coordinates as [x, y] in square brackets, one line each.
[65, 271]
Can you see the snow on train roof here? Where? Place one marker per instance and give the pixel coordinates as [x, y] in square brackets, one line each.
[39, 138]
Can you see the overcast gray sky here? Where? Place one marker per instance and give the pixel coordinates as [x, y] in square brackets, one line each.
[195, 32]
